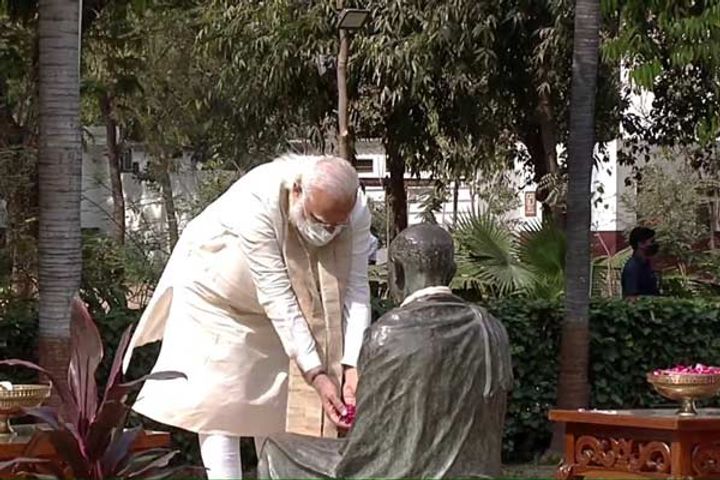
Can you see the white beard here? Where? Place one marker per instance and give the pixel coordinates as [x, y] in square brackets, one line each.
[315, 235]
[296, 215]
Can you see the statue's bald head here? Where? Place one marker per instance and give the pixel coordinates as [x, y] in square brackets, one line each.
[420, 256]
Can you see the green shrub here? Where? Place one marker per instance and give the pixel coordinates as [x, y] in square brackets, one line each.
[18, 335]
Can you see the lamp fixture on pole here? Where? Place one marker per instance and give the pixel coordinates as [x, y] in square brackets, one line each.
[352, 19]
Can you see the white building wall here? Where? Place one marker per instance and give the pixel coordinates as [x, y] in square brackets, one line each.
[609, 213]
[144, 207]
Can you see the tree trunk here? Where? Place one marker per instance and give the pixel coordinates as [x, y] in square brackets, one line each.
[549, 144]
[343, 114]
[59, 170]
[573, 387]
[456, 195]
[344, 137]
[114, 154]
[547, 133]
[534, 144]
[395, 191]
[169, 202]
[713, 211]
[541, 142]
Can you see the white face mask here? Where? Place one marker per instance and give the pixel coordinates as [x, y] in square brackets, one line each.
[312, 232]
[316, 234]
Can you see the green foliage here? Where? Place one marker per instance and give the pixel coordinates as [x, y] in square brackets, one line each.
[432, 202]
[271, 81]
[499, 262]
[672, 48]
[423, 80]
[488, 255]
[700, 277]
[664, 33]
[543, 251]
[112, 273]
[668, 199]
[112, 59]
[379, 220]
[494, 192]
[18, 331]
[606, 274]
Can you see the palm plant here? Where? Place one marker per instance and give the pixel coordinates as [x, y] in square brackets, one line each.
[497, 261]
[607, 271]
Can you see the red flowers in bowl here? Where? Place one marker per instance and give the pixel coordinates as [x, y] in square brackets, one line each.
[697, 369]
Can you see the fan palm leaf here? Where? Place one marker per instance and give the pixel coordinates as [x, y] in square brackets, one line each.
[606, 273]
[541, 249]
[488, 254]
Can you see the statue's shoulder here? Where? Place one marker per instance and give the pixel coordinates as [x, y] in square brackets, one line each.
[479, 309]
[484, 315]
[396, 314]
[391, 317]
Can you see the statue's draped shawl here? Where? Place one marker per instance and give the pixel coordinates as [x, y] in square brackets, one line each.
[431, 401]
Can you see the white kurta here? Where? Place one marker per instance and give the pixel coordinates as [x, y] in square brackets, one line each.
[229, 318]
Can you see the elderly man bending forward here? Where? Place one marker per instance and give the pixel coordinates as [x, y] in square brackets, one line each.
[273, 270]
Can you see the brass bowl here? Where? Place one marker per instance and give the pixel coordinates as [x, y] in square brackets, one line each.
[13, 402]
[686, 388]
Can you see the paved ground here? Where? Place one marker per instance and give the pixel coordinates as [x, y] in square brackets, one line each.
[529, 470]
[525, 470]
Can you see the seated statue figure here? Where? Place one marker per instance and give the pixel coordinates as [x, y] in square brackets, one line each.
[434, 377]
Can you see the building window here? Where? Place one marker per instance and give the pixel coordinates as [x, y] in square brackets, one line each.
[364, 165]
[126, 162]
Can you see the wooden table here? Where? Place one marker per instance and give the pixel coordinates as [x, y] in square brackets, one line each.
[14, 446]
[639, 444]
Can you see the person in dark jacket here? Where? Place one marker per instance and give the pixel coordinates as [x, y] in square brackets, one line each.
[638, 276]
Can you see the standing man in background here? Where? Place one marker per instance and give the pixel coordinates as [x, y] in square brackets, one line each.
[638, 276]
[263, 305]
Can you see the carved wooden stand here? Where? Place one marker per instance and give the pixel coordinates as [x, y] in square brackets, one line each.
[639, 444]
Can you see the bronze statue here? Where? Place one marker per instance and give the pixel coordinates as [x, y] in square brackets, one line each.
[434, 377]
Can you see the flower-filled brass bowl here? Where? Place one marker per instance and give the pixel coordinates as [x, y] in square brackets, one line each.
[15, 398]
[685, 388]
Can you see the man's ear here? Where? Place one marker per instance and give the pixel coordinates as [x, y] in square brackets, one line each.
[296, 191]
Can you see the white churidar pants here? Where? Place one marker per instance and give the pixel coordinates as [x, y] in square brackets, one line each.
[221, 455]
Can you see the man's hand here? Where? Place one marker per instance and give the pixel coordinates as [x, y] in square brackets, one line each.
[328, 391]
[350, 381]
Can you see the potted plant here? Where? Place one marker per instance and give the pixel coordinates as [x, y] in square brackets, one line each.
[87, 430]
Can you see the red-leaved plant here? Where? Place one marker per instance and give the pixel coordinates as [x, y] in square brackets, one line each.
[87, 432]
